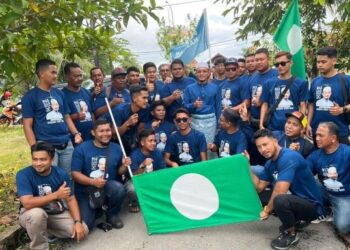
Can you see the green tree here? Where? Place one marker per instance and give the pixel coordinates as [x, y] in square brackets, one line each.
[33, 29]
[169, 36]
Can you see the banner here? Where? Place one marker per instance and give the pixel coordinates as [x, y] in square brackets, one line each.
[203, 194]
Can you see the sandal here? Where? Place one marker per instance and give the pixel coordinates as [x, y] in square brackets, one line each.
[134, 208]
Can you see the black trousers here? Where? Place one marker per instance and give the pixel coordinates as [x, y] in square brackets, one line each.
[291, 208]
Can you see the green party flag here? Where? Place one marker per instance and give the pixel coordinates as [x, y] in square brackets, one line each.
[288, 37]
[202, 194]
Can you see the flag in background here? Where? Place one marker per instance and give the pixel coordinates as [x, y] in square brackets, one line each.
[203, 194]
[288, 38]
[199, 43]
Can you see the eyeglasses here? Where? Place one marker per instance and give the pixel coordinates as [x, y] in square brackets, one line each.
[231, 69]
[178, 120]
[281, 63]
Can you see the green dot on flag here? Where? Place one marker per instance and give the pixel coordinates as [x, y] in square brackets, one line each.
[194, 196]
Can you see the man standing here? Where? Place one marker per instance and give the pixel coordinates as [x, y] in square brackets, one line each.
[294, 99]
[154, 86]
[331, 163]
[203, 101]
[288, 171]
[164, 72]
[173, 92]
[186, 145]
[329, 87]
[40, 101]
[219, 71]
[264, 73]
[86, 158]
[78, 99]
[241, 67]
[43, 184]
[133, 76]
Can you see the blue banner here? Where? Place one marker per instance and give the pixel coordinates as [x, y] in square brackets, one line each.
[199, 43]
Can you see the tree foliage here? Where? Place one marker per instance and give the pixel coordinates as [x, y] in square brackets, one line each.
[171, 36]
[33, 29]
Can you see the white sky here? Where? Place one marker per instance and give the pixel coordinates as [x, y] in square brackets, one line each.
[143, 42]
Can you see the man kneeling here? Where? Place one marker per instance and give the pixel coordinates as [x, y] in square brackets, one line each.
[41, 189]
[287, 170]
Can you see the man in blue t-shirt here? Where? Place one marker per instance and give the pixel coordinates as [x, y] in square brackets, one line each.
[154, 86]
[43, 186]
[229, 140]
[145, 158]
[326, 96]
[219, 71]
[294, 99]
[163, 129]
[89, 164]
[331, 163]
[288, 171]
[186, 145]
[174, 91]
[79, 100]
[255, 86]
[46, 115]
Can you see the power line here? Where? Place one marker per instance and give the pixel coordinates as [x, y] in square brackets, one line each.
[173, 4]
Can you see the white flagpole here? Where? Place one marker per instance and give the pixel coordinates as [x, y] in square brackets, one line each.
[117, 132]
[207, 31]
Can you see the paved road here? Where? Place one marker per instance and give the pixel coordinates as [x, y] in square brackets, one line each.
[256, 235]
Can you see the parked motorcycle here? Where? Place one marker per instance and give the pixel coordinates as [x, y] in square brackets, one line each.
[11, 114]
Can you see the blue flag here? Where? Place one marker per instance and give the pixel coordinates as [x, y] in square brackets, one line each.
[199, 42]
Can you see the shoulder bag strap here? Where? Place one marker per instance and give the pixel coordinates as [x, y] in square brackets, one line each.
[289, 84]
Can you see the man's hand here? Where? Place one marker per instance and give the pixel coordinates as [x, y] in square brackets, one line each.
[147, 162]
[243, 112]
[211, 146]
[116, 101]
[133, 120]
[77, 138]
[174, 165]
[99, 182]
[294, 146]
[198, 103]
[246, 155]
[309, 131]
[126, 161]
[81, 116]
[155, 124]
[264, 215]
[336, 110]
[176, 94]
[63, 192]
[150, 86]
[79, 232]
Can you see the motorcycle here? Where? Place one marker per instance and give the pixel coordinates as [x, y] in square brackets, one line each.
[11, 114]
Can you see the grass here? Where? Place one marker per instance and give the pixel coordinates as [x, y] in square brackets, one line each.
[14, 155]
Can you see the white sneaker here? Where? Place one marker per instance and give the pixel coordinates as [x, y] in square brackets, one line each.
[323, 218]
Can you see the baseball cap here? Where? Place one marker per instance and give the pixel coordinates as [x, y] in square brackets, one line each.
[231, 60]
[300, 116]
[118, 71]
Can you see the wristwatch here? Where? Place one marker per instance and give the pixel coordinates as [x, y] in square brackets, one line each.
[78, 221]
[345, 109]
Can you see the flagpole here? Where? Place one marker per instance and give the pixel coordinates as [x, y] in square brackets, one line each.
[118, 135]
[207, 31]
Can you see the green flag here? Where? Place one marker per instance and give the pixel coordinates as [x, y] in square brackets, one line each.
[203, 194]
[288, 37]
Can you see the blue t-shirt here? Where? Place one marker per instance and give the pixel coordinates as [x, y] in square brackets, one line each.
[306, 147]
[157, 93]
[119, 94]
[179, 84]
[217, 82]
[81, 101]
[29, 182]
[245, 79]
[163, 131]
[99, 100]
[333, 169]
[255, 89]
[186, 149]
[91, 161]
[48, 110]
[297, 93]
[324, 92]
[291, 167]
[233, 93]
[208, 93]
[121, 114]
[137, 157]
[230, 144]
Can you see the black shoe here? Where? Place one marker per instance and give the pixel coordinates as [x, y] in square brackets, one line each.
[116, 222]
[284, 241]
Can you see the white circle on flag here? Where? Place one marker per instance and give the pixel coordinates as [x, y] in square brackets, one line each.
[194, 196]
[294, 39]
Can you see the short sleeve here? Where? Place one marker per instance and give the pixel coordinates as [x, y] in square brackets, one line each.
[27, 106]
[202, 143]
[78, 159]
[24, 186]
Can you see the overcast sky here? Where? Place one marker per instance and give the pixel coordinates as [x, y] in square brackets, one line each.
[143, 42]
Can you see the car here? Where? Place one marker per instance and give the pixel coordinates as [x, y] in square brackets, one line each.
[88, 84]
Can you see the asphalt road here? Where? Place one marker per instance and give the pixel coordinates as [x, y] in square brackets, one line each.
[255, 235]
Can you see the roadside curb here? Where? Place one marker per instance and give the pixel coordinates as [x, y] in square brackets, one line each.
[12, 237]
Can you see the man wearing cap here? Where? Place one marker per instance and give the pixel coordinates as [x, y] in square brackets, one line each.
[229, 140]
[294, 99]
[116, 93]
[219, 71]
[331, 163]
[203, 101]
[233, 93]
[264, 73]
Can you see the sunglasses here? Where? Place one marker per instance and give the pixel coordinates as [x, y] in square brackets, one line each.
[281, 63]
[230, 69]
[178, 120]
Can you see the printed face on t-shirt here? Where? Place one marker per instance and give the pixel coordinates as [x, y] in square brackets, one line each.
[324, 103]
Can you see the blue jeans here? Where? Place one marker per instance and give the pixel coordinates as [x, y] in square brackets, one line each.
[63, 158]
[341, 212]
[115, 194]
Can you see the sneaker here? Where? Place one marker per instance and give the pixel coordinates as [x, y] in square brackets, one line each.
[322, 218]
[284, 241]
[116, 222]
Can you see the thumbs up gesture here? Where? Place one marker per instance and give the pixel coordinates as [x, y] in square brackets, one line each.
[336, 109]
[63, 192]
[198, 103]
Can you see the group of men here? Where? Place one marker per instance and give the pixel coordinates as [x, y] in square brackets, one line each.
[239, 106]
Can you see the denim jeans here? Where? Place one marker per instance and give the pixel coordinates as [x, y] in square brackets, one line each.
[115, 194]
[63, 158]
[341, 212]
